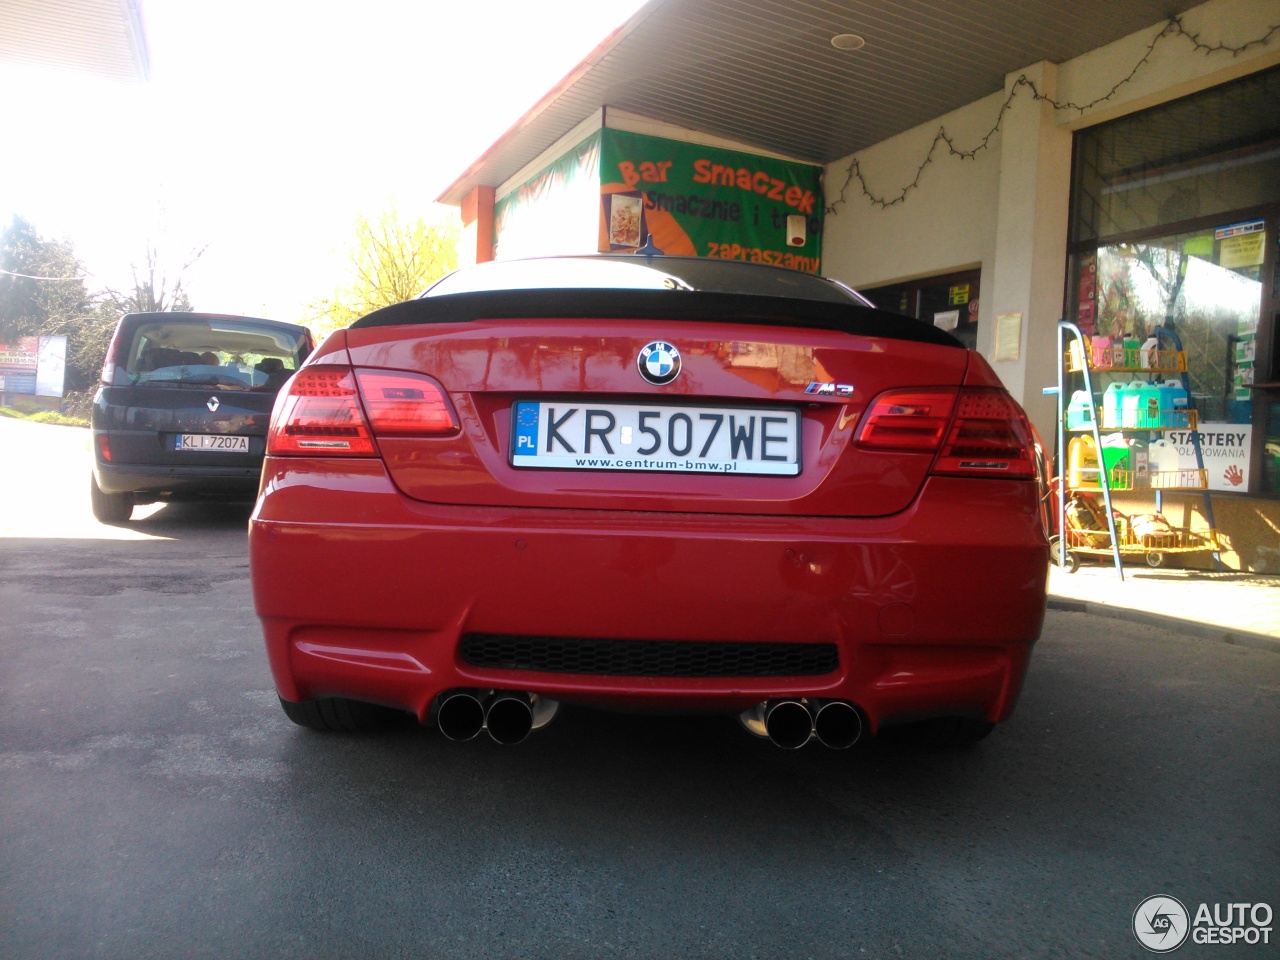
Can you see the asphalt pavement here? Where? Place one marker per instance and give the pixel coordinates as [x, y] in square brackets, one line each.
[155, 802]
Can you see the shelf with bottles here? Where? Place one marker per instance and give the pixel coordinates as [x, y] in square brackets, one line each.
[1115, 355]
[1130, 464]
[1148, 406]
[1163, 421]
[1131, 428]
[1121, 479]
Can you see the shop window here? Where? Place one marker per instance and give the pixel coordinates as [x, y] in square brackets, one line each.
[949, 302]
[1174, 218]
[1203, 286]
[1206, 285]
[1201, 156]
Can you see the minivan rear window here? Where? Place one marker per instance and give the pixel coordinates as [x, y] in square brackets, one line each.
[230, 354]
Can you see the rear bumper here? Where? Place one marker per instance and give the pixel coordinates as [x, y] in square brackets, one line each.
[933, 611]
[177, 483]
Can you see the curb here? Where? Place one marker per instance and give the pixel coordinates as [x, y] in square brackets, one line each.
[1194, 628]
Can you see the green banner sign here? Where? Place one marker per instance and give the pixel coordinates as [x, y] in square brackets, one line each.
[693, 200]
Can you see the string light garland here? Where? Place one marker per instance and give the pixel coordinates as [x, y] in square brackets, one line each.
[1172, 28]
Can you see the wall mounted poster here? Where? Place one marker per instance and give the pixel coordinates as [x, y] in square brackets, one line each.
[1008, 336]
[695, 200]
[1226, 449]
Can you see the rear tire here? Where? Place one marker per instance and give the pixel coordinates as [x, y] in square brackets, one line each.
[110, 508]
[339, 715]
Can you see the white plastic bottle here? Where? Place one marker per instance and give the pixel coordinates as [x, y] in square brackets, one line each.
[1148, 353]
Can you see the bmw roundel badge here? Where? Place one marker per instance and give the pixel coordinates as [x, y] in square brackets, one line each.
[659, 362]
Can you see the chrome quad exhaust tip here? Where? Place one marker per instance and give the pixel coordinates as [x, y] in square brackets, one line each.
[790, 724]
[837, 724]
[509, 716]
[460, 714]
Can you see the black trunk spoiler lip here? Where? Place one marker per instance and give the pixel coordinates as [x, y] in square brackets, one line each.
[684, 305]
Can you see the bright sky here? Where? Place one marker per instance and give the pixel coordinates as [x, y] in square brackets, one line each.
[267, 126]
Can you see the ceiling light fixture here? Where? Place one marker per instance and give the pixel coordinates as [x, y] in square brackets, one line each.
[848, 41]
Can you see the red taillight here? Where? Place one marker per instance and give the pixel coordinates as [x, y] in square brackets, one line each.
[332, 411]
[990, 436]
[319, 415]
[112, 360]
[404, 404]
[976, 431]
[907, 420]
[104, 447]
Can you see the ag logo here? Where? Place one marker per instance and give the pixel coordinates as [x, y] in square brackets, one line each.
[1161, 924]
[213, 404]
[659, 362]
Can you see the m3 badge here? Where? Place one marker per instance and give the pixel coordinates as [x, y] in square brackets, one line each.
[829, 389]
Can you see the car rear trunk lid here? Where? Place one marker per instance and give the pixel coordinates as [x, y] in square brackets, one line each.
[772, 379]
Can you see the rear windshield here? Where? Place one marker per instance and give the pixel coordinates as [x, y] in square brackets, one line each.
[228, 353]
[651, 288]
[701, 274]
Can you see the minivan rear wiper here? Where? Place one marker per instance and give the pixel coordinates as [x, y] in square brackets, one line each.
[210, 380]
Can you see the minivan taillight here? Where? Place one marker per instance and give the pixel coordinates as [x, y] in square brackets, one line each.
[976, 431]
[112, 360]
[335, 411]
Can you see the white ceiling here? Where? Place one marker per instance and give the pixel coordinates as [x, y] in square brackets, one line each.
[764, 72]
[103, 37]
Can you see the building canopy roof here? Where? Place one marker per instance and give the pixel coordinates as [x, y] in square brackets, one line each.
[766, 73]
[104, 37]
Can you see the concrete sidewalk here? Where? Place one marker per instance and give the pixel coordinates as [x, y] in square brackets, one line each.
[1240, 608]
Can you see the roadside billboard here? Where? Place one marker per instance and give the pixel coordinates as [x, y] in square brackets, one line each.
[34, 365]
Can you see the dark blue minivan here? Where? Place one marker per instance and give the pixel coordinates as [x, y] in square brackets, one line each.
[182, 409]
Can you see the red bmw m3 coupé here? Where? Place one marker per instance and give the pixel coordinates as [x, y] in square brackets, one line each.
[648, 483]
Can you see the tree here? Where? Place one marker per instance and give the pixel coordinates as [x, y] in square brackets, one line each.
[42, 292]
[41, 280]
[391, 260]
[152, 293]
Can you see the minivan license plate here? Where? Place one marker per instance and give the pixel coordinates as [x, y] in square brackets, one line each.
[212, 441]
[577, 435]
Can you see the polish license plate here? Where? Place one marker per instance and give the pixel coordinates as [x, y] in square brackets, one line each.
[660, 438]
[212, 441]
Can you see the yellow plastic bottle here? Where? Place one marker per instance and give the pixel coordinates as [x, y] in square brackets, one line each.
[1082, 464]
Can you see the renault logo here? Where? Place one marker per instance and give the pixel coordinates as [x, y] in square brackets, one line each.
[659, 362]
[212, 404]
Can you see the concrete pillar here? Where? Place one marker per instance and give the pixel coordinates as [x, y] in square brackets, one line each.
[477, 227]
[1031, 242]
